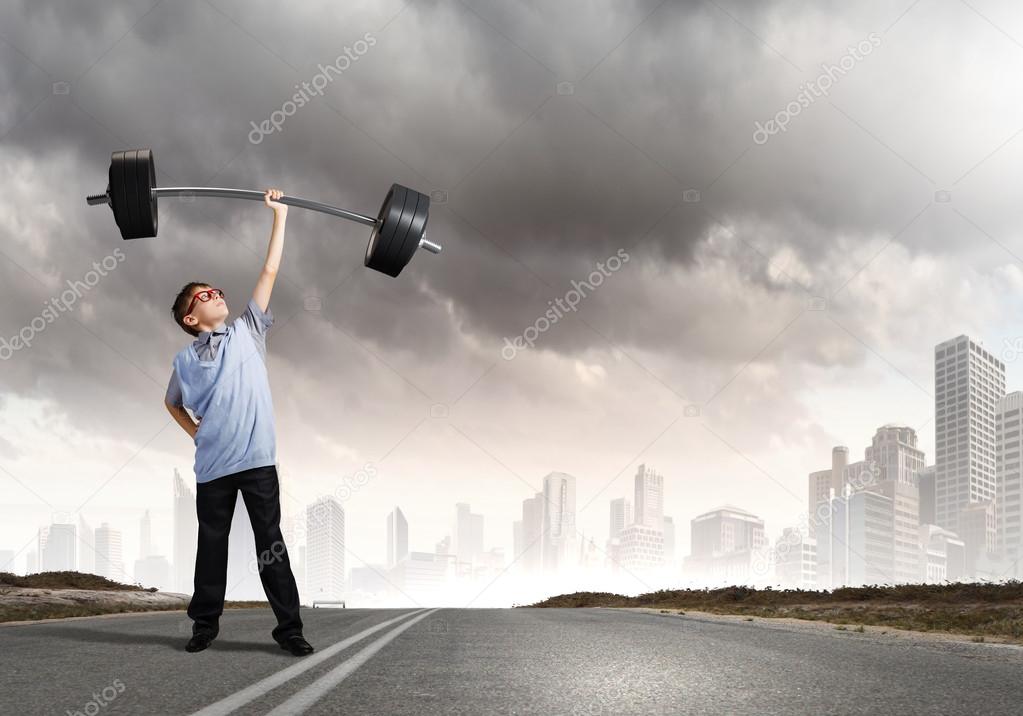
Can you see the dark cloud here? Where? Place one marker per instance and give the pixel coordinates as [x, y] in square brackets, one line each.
[463, 98]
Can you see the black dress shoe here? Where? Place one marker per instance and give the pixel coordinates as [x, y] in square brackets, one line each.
[297, 645]
[199, 641]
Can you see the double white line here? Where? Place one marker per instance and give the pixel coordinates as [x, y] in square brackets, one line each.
[305, 698]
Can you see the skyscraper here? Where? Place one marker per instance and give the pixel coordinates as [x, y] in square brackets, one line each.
[795, 560]
[649, 498]
[898, 461]
[325, 554]
[186, 532]
[86, 547]
[109, 562]
[145, 536]
[669, 540]
[59, 552]
[621, 516]
[530, 554]
[397, 537]
[925, 481]
[468, 534]
[1009, 480]
[559, 536]
[856, 544]
[968, 382]
[725, 544]
[641, 543]
[824, 483]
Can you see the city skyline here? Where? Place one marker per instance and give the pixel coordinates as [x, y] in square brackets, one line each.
[889, 472]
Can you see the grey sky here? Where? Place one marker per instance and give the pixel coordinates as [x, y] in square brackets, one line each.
[712, 308]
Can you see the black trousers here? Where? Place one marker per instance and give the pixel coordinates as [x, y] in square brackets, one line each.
[215, 502]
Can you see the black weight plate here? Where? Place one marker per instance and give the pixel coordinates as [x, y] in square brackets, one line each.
[378, 248]
[118, 200]
[131, 194]
[393, 246]
[371, 258]
[145, 178]
[415, 230]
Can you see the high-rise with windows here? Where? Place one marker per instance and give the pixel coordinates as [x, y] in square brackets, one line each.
[649, 498]
[397, 537]
[621, 516]
[1009, 479]
[968, 382]
[325, 553]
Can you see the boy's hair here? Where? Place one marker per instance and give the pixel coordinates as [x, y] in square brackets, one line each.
[181, 305]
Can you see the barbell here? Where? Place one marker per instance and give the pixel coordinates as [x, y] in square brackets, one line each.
[399, 228]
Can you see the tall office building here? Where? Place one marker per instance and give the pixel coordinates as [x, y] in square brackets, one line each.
[894, 454]
[86, 547]
[669, 540]
[925, 481]
[59, 552]
[325, 553]
[726, 543]
[642, 542]
[7, 560]
[186, 532]
[795, 560]
[856, 546]
[42, 534]
[621, 516]
[824, 483]
[649, 497]
[530, 555]
[1009, 480]
[109, 562]
[558, 538]
[977, 529]
[968, 382]
[898, 462]
[468, 533]
[145, 536]
[397, 537]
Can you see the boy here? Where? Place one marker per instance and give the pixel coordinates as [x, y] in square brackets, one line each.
[221, 377]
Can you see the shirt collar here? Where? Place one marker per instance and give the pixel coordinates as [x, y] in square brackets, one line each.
[205, 336]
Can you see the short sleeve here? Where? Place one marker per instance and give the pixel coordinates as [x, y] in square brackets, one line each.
[258, 320]
[173, 396]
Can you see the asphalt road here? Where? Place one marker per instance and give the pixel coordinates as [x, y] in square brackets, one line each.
[496, 661]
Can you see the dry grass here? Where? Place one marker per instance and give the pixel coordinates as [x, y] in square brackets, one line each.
[68, 580]
[55, 602]
[975, 609]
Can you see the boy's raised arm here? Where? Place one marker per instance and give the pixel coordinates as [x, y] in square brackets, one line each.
[265, 282]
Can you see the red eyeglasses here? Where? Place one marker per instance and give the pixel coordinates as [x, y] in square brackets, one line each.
[204, 296]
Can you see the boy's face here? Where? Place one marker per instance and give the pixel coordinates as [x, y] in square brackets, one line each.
[206, 313]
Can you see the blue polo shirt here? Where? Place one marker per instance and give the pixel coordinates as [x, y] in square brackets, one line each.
[221, 377]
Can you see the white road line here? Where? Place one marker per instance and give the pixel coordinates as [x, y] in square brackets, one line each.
[251, 693]
[305, 698]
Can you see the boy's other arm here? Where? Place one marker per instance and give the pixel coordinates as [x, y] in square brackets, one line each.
[172, 401]
[182, 418]
[265, 282]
